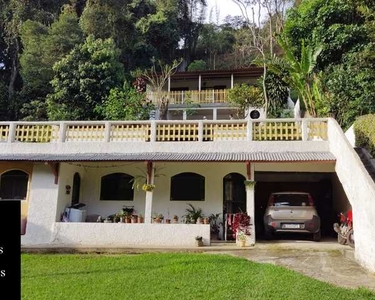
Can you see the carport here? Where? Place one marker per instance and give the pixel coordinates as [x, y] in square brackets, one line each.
[318, 179]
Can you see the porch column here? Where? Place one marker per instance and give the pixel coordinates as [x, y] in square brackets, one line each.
[231, 81]
[169, 83]
[200, 83]
[149, 195]
[184, 115]
[250, 202]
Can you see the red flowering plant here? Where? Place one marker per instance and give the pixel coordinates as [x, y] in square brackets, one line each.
[241, 223]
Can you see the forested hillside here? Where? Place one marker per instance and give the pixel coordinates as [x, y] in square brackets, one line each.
[78, 59]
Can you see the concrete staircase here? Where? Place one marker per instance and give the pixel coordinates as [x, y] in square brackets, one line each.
[367, 161]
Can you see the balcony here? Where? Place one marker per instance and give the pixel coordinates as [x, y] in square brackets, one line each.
[193, 96]
[164, 131]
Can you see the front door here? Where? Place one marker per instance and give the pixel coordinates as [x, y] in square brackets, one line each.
[234, 200]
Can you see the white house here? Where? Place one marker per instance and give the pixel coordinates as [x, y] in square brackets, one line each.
[50, 165]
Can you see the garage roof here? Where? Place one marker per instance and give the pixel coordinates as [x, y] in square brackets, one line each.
[163, 156]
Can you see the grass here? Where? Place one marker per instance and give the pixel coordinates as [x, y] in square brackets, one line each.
[168, 276]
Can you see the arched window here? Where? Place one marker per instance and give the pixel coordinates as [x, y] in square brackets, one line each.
[76, 188]
[187, 187]
[14, 185]
[117, 186]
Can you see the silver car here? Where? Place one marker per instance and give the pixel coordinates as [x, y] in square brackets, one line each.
[291, 212]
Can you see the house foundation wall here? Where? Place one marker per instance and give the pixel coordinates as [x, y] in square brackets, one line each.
[121, 235]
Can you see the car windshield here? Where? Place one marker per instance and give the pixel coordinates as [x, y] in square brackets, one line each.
[291, 200]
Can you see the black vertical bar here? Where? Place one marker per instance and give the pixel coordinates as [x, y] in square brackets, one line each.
[10, 248]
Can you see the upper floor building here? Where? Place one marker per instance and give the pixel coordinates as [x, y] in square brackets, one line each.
[204, 92]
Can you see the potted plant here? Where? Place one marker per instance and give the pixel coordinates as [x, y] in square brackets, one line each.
[127, 217]
[168, 220]
[134, 219]
[241, 223]
[206, 220]
[158, 218]
[148, 187]
[122, 214]
[241, 237]
[141, 181]
[116, 218]
[215, 226]
[175, 219]
[140, 218]
[198, 241]
[192, 215]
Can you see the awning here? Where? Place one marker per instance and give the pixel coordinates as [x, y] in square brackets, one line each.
[175, 157]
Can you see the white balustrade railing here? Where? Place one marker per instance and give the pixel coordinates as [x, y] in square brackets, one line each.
[164, 131]
[193, 96]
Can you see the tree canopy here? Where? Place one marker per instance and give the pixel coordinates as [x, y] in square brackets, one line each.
[69, 59]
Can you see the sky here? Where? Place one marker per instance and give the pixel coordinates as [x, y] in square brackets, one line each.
[226, 7]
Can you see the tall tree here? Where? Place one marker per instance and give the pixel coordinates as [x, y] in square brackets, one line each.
[345, 30]
[12, 14]
[161, 25]
[83, 80]
[191, 15]
[42, 47]
[111, 19]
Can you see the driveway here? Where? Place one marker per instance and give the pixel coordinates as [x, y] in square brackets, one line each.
[326, 261]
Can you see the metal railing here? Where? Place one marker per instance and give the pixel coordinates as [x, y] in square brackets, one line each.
[164, 131]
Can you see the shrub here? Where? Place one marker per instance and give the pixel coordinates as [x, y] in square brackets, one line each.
[364, 129]
[245, 96]
[197, 65]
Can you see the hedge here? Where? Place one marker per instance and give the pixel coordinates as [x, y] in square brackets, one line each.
[364, 129]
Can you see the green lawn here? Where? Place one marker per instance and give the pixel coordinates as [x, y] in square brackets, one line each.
[168, 276]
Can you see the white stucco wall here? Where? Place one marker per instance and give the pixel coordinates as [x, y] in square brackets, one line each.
[42, 206]
[171, 147]
[120, 234]
[360, 190]
[213, 173]
[350, 135]
[49, 200]
[66, 174]
[90, 188]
